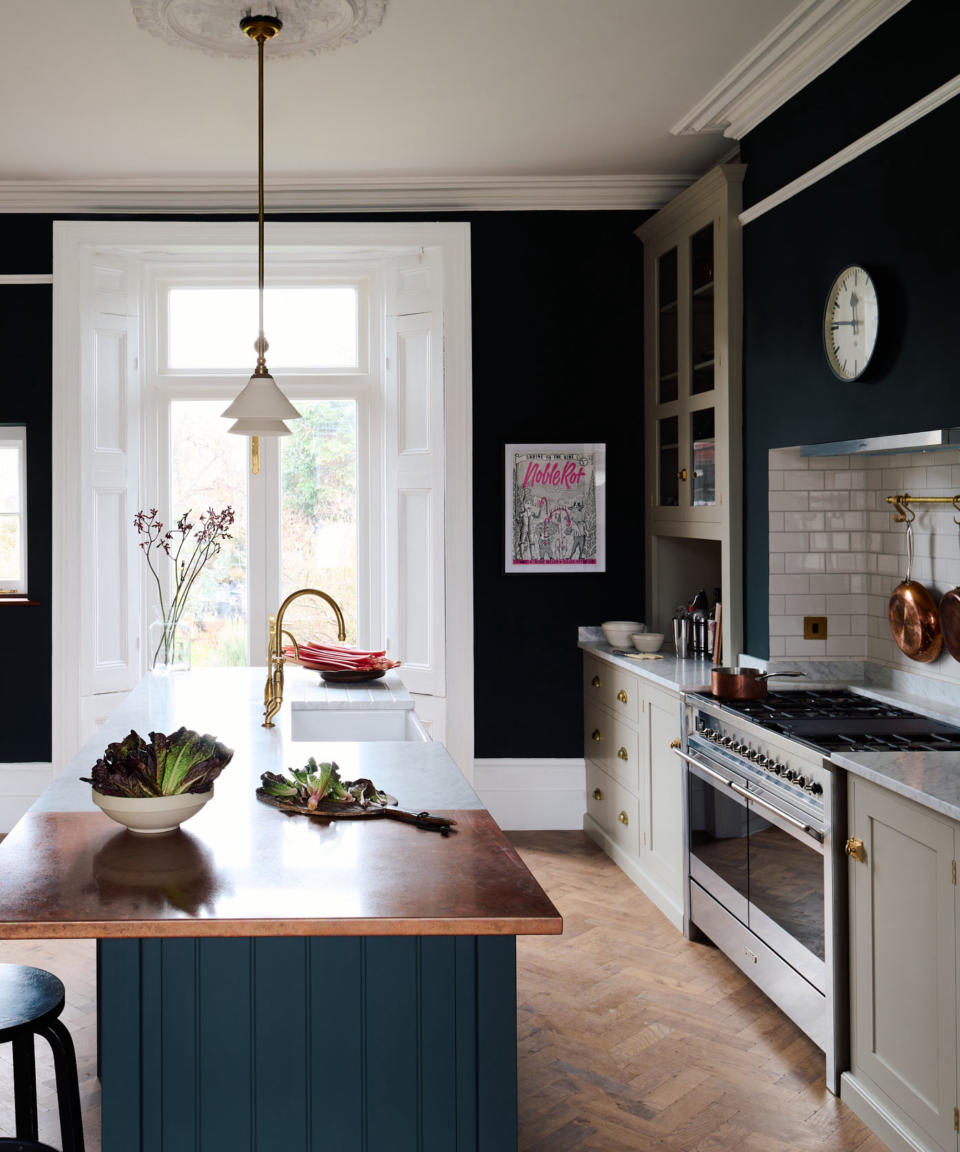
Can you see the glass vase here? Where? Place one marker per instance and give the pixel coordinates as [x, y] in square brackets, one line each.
[169, 645]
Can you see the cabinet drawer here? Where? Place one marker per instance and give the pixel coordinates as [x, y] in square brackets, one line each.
[615, 809]
[606, 684]
[613, 745]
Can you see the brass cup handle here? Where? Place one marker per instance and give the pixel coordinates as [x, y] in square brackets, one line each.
[595, 681]
[854, 849]
[682, 474]
[622, 753]
[623, 818]
[597, 794]
[622, 696]
[595, 734]
[677, 743]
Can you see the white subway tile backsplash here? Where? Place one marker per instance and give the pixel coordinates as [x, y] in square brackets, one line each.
[803, 521]
[789, 585]
[803, 562]
[835, 550]
[788, 501]
[806, 605]
[829, 501]
[802, 481]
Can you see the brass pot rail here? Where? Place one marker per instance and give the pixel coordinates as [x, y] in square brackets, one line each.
[904, 513]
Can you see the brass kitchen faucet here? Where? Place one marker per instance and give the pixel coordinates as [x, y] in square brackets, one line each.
[273, 690]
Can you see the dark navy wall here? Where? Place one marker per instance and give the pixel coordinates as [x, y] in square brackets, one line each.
[556, 358]
[893, 210]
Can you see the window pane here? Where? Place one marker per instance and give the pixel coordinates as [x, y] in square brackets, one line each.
[10, 548]
[209, 469]
[9, 477]
[306, 328]
[319, 509]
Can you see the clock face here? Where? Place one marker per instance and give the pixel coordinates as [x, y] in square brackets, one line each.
[850, 322]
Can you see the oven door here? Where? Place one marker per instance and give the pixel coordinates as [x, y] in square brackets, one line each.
[762, 862]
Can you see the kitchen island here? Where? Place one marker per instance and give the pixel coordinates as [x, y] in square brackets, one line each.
[274, 982]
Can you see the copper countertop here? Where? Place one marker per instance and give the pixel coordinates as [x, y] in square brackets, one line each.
[240, 868]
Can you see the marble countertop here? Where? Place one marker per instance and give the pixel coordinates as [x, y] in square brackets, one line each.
[305, 690]
[677, 675]
[242, 868]
[930, 778]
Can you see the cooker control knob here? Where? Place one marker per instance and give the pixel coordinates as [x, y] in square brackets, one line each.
[790, 774]
[768, 762]
[754, 755]
[816, 789]
[779, 768]
[801, 781]
[727, 742]
[709, 733]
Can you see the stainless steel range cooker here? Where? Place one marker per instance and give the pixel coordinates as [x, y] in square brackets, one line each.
[765, 828]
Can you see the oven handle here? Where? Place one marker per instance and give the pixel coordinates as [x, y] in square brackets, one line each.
[752, 797]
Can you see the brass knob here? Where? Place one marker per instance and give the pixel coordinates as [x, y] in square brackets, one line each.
[622, 753]
[595, 681]
[682, 474]
[854, 849]
[622, 696]
[623, 818]
[678, 743]
[597, 794]
[596, 735]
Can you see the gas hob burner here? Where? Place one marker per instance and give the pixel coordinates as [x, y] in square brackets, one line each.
[843, 721]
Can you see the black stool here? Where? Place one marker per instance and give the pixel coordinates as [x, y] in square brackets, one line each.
[30, 1002]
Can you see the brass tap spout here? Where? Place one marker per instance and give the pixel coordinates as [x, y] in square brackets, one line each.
[273, 690]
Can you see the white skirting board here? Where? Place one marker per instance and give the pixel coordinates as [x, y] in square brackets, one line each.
[20, 785]
[532, 794]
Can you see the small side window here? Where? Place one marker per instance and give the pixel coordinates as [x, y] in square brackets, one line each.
[13, 508]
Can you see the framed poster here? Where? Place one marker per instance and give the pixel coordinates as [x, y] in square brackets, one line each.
[555, 496]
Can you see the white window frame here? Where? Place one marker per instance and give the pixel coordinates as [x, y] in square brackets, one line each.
[74, 244]
[15, 436]
[164, 385]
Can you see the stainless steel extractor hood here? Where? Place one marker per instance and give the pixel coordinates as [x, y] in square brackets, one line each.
[902, 442]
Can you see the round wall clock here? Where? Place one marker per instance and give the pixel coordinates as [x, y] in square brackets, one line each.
[850, 323]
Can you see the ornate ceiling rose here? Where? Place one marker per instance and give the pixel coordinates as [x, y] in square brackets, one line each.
[309, 26]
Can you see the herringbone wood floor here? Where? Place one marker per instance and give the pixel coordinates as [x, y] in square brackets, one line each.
[630, 1038]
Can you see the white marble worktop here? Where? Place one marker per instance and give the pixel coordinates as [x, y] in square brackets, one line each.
[930, 778]
[304, 689]
[669, 672]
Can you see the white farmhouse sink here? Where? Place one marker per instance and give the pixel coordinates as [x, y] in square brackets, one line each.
[344, 724]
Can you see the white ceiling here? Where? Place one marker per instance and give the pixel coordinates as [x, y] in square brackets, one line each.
[444, 89]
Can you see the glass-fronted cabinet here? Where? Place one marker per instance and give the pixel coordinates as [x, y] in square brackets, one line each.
[692, 321]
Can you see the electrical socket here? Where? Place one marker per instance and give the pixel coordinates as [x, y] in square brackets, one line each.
[814, 627]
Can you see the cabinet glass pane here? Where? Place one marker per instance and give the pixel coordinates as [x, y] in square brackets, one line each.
[669, 456]
[667, 321]
[702, 457]
[702, 323]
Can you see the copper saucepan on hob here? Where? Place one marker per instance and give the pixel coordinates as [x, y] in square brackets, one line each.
[914, 619]
[742, 683]
[950, 617]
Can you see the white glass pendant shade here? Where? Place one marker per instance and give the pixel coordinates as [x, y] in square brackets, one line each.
[261, 400]
[259, 427]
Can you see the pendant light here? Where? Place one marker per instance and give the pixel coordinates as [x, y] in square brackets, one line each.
[261, 408]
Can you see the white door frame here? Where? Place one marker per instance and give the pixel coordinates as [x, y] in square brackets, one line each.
[143, 239]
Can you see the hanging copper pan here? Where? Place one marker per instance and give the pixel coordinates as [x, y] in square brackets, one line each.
[914, 619]
[950, 618]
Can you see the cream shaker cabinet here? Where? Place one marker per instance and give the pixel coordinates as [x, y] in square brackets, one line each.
[903, 969]
[634, 785]
[692, 338]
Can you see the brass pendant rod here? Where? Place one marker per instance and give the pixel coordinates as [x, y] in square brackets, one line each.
[902, 505]
[261, 350]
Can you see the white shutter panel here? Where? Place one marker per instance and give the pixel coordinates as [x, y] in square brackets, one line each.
[109, 563]
[414, 466]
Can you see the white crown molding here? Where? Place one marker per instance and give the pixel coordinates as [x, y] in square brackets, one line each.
[812, 38]
[374, 194]
[876, 136]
